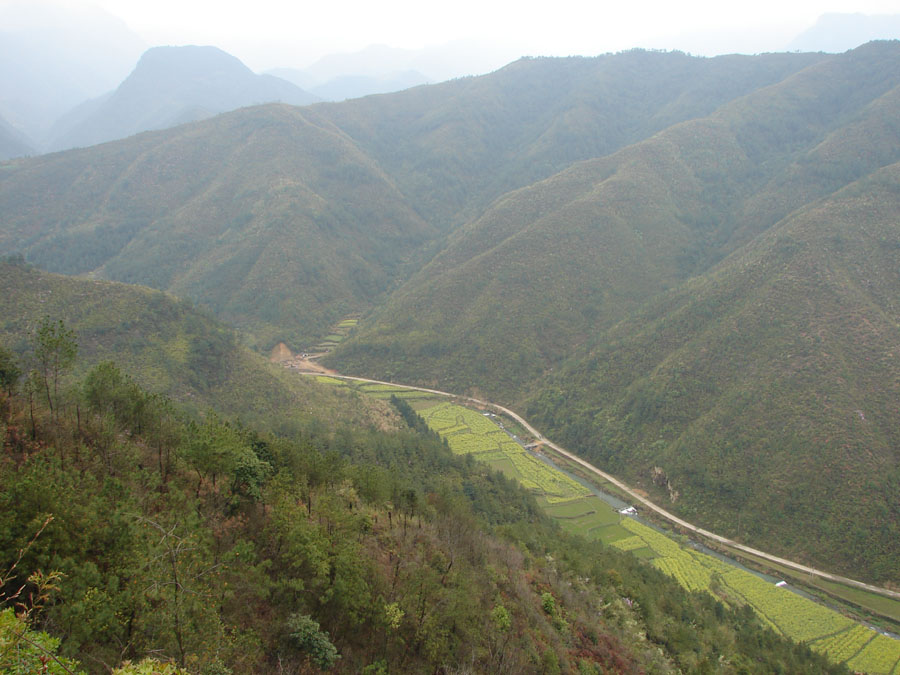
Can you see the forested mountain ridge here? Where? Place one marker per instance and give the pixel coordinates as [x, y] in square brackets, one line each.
[454, 147]
[225, 191]
[765, 391]
[566, 265]
[548, 265]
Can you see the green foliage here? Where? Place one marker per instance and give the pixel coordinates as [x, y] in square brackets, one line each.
[149, 666]
[10, 372]
[55, 349]
[306, 636]
[500, 617]
[24, 651]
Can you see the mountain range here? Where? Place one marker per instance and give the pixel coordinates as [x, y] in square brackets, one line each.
[682, 267]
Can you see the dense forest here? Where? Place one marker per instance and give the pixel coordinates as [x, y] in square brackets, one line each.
[133, 531]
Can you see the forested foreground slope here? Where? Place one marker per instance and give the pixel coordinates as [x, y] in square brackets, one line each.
[129, 529]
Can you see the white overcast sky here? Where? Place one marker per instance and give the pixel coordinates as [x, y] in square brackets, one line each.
[268, 33]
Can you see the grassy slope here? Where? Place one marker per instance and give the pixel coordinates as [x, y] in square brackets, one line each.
[767, 390]
[549, 265]
[168, 346]
[249, 214]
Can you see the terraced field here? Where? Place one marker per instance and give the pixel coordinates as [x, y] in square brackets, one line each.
[578, 510]
[797, 617]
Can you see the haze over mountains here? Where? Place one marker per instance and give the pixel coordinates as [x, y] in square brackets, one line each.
[839, 32]
[12, 142]
[657, 254]
[60, 69]
[171, 86]
[53, 58]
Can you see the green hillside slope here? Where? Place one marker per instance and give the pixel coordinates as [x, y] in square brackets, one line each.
[762, 398]
[166, 345]
[280, 221]
[221, 549]
[276, 224]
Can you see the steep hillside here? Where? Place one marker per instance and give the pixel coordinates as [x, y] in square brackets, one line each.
[250, 214]
[763, 396]
[166, 345]
[549, 265]
[170, 86]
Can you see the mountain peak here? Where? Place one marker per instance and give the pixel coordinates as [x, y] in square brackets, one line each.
[187, 60]
[171, 86]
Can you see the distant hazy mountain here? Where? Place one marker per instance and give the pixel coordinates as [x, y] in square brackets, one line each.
[12, 142]
[436, 63]
[53, 58]
[351, 86]
[840, 32]
[170, 86]
[378, 69]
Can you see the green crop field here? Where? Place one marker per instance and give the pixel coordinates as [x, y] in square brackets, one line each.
[797, 617]
[470, 432]
[881, 655]
[580, 512]
[377, 390]
[368, 387]
[324, 379]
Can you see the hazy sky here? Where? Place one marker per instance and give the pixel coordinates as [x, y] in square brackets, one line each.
[267, 33]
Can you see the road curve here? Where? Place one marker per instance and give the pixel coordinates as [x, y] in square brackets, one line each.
[637, 497]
